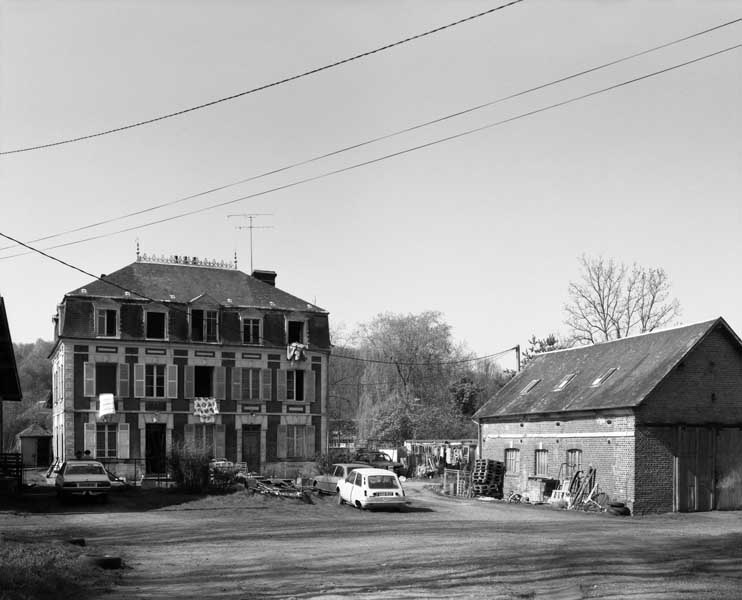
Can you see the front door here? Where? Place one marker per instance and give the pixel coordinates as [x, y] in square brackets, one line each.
[154, 449]
[251, 447]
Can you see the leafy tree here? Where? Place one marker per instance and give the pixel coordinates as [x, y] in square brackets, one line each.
[612, 300]
[35, 375]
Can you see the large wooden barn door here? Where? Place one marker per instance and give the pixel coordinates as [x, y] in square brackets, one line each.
[729, 469]
[694, 484]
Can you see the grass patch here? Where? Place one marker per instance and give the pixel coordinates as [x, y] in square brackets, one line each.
[43, 569]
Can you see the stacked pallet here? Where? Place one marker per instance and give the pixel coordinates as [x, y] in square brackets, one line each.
[486, 478]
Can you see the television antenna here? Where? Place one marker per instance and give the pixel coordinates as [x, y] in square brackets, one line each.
[250, 226]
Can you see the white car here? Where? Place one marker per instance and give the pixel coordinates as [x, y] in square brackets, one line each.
[328, 483]
[372, 488]
[82, 478]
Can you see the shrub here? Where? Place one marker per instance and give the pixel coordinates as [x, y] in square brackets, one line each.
[189, 467]
[323, 463]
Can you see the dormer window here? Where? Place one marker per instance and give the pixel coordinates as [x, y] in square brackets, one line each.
[563, 383]
[296, 332]
[601, 380]
[107, 321]
[251, 330]
[204, 325]
[155, 325]
[532, 384]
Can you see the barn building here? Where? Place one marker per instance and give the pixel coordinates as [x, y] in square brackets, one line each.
[181, 350]
[658, 415]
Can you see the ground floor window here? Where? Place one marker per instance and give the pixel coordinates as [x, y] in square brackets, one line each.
[295, 441]
[574, 461]
[203, 436]
[542, 462]
[106, 440]
[512, 458]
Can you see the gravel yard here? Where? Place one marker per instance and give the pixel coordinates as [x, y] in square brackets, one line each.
[245, 546]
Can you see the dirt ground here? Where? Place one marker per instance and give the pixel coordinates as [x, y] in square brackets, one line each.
[243, 546]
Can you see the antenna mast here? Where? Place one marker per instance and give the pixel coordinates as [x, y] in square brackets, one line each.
[250, 226]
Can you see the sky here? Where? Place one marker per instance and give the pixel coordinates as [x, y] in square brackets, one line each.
[486, 228]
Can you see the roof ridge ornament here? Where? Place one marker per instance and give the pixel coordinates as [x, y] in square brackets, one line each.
[185, 260]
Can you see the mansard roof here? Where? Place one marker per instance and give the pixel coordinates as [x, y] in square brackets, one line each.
[609, 375]
[167, 282]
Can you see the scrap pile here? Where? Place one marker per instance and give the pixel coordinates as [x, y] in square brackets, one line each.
[580, 491]
[486, 478]
[283, 488]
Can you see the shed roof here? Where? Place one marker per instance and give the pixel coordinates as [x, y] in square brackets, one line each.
[35, 430]
[640, 363]
[169, 282]
[10, 386]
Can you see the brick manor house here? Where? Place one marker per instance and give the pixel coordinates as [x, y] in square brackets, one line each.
[167, 351]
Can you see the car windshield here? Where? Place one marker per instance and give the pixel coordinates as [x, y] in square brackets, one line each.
[84, 470]
[376, 482]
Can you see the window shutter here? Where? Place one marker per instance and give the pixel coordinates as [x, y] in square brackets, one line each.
[237, 384]
[189, 434]
[309, 449]
[89, 377]
[282, 442]
[139, 380]
[190, 375]
[122, 443]
[309, 386]
[266, 376]
[172, 381]
[89, 441]
[123, 391]
[281, 386]
[219, 441]
[220, 381]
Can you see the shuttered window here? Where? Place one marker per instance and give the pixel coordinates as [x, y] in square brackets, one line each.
[299, 441]
[154, 381]
[512, 460]
[106, 440]
[574, 461]
[107, 322]
[542, 462]
[295, 385]
[251, 384]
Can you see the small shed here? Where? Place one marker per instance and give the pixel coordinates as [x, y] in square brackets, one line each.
[35, 446]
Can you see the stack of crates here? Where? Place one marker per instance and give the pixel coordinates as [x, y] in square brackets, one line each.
[486, 478]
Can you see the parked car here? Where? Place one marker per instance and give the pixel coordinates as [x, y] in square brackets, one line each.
[82, 478]
[328, 483]
[380, 460]
[367, 488]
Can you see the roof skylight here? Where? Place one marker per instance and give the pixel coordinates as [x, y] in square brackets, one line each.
[600, 380]
[563, 383]
[532, 384]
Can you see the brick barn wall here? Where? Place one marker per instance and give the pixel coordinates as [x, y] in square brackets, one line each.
[655, 465]
[705, 387]
[609, 447]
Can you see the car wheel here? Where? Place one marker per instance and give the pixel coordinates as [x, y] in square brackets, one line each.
[359, 506]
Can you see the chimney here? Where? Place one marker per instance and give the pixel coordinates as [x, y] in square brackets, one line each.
[268, 277]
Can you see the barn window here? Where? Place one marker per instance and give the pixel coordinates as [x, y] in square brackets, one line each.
[512, 458]
[601, 380]
[532, 384]
[563, 383]
[574, 461]
[542, 462]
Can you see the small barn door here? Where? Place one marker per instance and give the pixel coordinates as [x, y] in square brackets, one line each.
[694, 490]
[251, 447]
[729, 469]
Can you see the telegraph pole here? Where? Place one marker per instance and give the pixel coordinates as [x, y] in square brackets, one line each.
[250, 226]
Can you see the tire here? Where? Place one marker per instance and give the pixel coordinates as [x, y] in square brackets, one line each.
[619, 511]
[359, 506]
[616, 504]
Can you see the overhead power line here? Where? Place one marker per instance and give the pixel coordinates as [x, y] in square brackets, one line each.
[145, 297]
[263, 87]
[378, 138]
[396, 154]
[425, 364]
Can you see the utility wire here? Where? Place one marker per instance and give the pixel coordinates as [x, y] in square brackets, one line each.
[398, 153]
[145, 297]
[417, 364]
[382, 137]
[266, 86]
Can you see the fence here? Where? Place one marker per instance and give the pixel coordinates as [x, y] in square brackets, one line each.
[11, 469]
[456, 483]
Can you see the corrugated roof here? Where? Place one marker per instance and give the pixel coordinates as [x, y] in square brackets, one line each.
[160, 281]
[10, 386]
[641, 362]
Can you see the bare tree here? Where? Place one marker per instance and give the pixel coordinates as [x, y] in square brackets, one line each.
[612, 301]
